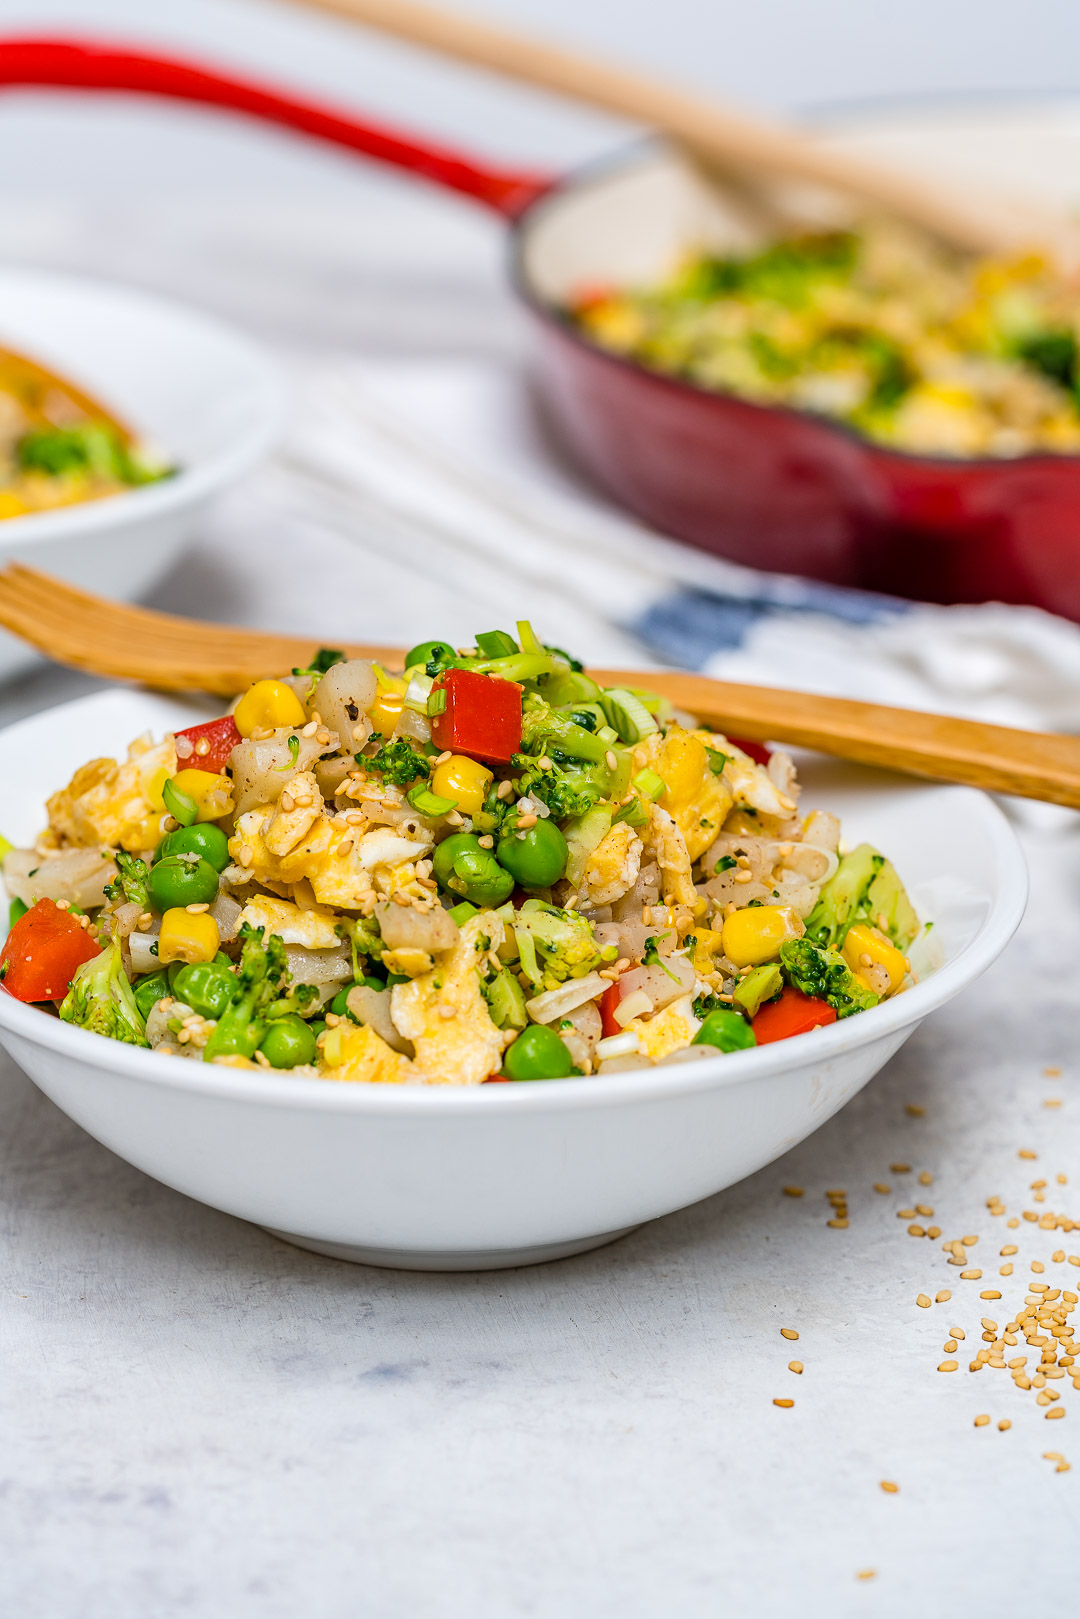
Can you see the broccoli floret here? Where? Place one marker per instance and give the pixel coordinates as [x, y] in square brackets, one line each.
[398, 762]
[93, 447]
[568, 789]
[826, 976]
[129, 884]
[555, 945]
[1053, 352]
[261, 977]
[865, 888]
[324, 659]
[544, 728]
[101, 999]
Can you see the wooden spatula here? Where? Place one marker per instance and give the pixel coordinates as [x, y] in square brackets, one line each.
[183, 654]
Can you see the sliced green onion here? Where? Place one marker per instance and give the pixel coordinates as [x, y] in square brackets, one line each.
[633, 814]
[425, 802]
[17, 908]
[717, 760]
[436, 704]
[649, 783]
[608, 736]
[496, 644]
[528, 639]
[461, 912]
[417, 693]
[629, 716]
[180, 806]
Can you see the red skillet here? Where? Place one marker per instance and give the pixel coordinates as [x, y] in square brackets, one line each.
[770, 487]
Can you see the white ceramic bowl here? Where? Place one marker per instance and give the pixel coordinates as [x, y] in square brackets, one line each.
[203, 394]
[449, 1179]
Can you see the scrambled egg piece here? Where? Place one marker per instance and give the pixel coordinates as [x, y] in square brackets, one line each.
[358, 1054]
[751, 785]
[666, 841]
[697, 800]
[667, 1031]
[115, 804]
[709, 945]
[445, 1015]
[342, 863]
[315, 930]
[612, 869]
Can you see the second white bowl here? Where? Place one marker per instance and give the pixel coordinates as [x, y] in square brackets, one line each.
[207, 396]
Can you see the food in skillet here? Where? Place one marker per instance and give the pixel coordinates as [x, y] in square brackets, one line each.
[917, 348]
[58, 446]
[486, 867]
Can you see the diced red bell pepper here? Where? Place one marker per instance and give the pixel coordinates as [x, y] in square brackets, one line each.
[221, 737]
[482, 716]
[793, 1013]
[43, 951]
[756, 750]
[609, 1000]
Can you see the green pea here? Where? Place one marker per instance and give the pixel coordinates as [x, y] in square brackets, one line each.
[464, 868]
[206, 986]
[180, 880]
[288, 1043]
[726, 1030]
[538, 1053]
[431, 652]
[206, 840]
[151, 989]
[538, 859]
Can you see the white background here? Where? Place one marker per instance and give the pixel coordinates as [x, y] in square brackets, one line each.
[771, 54]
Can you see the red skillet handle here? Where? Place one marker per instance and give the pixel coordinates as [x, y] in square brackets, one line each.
[78, 65]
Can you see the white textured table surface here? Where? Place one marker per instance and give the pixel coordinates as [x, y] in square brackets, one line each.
[201, 1421]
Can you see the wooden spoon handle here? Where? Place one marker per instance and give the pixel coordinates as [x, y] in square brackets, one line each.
[718, 134]
[1031, 764]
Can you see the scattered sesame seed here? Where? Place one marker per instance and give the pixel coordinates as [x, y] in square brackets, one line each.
[982, 1420]
[900, 1169]
[866, 1574]
[611, 759]
[925, 1178]
[1052, 1101]
[889, 1487]
[788, 1332]
[795, 1366]
[1006, 1270]
[1052, 1072]
[971, 1275]
[787, 1404]
[839, 1225]
[957, 1332]
[789, 1191]
[915, 1111]
[916, 1231]
[1025, 1152]
[947, 1366]
[1055, 1411]
[923, 1301]
[943, 1297]
[880, 1186]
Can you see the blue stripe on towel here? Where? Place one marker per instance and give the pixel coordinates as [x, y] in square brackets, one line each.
[689, 627]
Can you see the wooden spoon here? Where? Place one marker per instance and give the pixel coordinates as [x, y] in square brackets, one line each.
[183, 654]
[718, 136]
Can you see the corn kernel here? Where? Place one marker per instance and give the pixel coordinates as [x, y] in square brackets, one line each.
[463, 780]
[212, 793]
[269, 705]
[754, 934]
[188, 937]
[156, 785]
[863, 941]
[385, 711]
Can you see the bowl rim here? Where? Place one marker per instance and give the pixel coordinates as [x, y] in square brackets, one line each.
[276, 1089]
[559, 321]
[265, 383]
